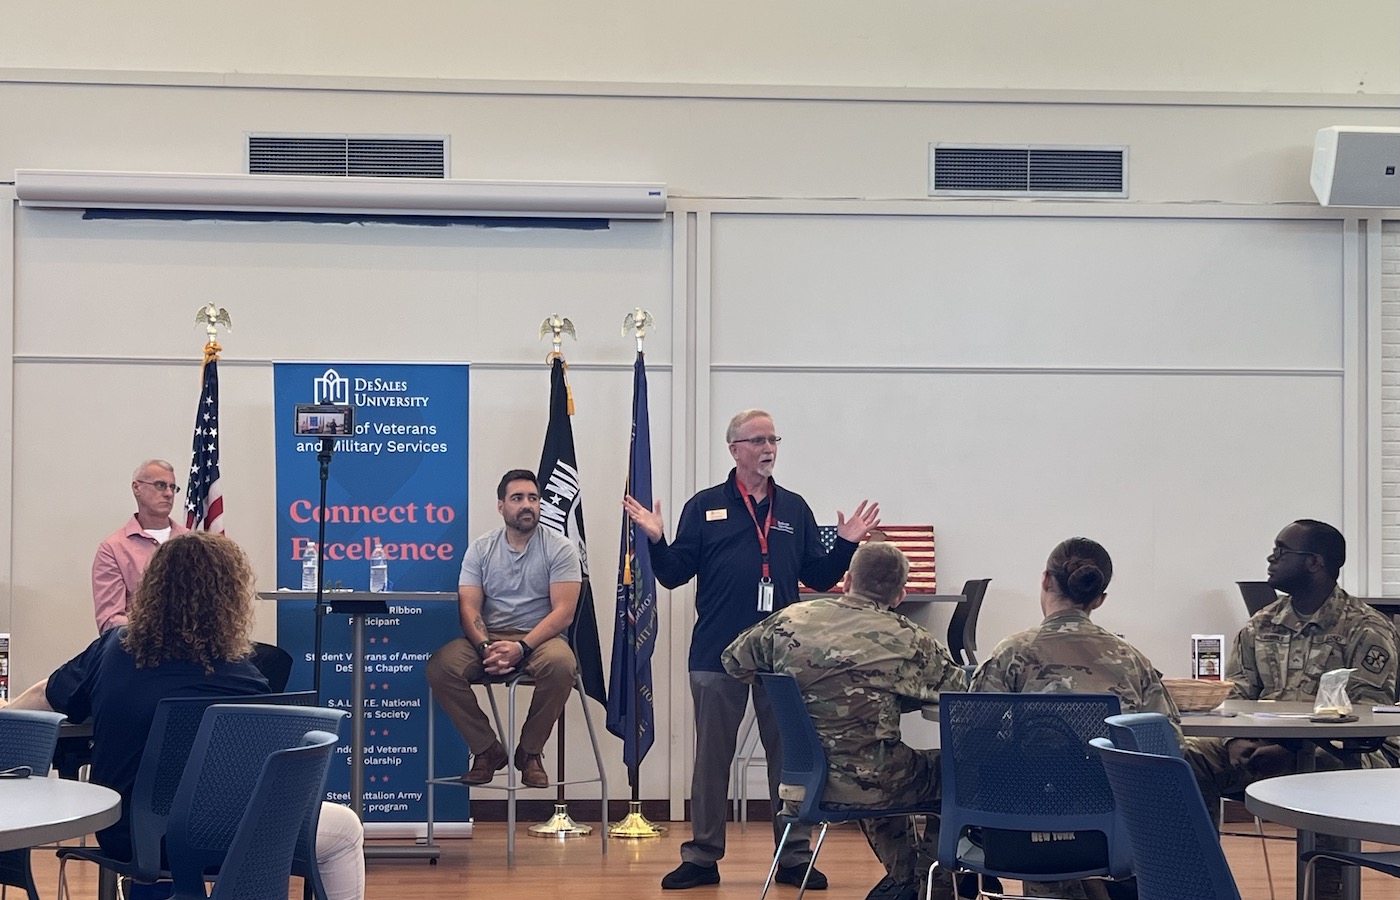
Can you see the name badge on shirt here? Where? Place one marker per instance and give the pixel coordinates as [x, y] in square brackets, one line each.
[765, 596]
[716, 515]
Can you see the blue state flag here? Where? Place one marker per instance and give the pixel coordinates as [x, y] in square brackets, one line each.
[631, 710]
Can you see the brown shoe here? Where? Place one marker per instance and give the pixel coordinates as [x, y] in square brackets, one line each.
[486, 764]
[532, 773]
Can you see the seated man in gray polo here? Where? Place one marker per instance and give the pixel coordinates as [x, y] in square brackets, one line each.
[516, 596]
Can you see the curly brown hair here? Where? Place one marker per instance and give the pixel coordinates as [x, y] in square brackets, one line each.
[194, 603]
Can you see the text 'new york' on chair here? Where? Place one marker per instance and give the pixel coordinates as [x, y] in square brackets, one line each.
[1175, 848]
[1017, 768]
[804, 774]
[27, 741]
[248, 832]
[510, 737]
[173, 730]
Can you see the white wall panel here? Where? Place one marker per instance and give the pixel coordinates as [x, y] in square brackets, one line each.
[1256, 45]
[965, 291]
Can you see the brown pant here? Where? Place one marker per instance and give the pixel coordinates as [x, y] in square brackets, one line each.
[455, 666]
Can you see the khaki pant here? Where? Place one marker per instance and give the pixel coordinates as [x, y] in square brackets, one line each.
[454, 667]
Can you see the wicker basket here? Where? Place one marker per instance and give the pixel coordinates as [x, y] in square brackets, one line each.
[1194, 695]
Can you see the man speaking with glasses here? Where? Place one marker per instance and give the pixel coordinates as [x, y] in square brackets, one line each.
[120, 560]
[747, 542]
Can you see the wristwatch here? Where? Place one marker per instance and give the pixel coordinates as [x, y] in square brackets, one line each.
[525, 650]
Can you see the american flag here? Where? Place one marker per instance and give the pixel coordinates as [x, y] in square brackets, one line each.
[917, 543]
[204, 504]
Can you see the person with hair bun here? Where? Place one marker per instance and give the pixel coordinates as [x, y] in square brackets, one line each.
[1068, 653]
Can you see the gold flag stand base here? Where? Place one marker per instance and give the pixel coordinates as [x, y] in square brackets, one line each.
[560, 825]
[636, 824]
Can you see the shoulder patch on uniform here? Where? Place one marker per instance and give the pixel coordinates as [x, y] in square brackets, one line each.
[716, 515]
[1375, 659]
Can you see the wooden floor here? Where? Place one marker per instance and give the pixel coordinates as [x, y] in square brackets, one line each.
[576, 869]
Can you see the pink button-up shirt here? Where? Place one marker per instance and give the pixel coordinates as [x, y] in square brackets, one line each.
[117, 568]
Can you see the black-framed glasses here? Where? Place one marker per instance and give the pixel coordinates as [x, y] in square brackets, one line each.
[758, 441]
[1280, 550]
[161, 486]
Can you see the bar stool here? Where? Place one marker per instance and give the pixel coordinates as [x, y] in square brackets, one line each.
[509, 737]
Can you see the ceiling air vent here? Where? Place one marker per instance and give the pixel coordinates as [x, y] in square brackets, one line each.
[371, 156]
[985, 170]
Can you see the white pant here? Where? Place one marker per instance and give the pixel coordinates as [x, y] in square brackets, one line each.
[340, 852]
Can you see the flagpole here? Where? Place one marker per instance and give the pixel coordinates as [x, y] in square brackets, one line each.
[631, 571]
[560, 824]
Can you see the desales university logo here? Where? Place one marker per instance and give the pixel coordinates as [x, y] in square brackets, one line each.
[333, 388]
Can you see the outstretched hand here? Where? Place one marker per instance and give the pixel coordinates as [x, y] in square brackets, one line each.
[649, 520]
[859, 524]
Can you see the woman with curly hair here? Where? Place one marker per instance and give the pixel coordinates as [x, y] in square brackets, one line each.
[187, 636]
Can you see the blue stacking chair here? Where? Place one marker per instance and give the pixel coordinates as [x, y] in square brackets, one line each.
[173, 730]
[226, 757]
[263, 824]
[27, 741]
[1175, 847]
[1144, 733]
[1020, 763]
[804, 766]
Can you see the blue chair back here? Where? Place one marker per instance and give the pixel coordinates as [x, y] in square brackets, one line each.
[1147, 732]
[1022, 763]
[27, 738]
[173, 731]
[258, 861]
[1176, 850]
[226, 757]
[804, 760]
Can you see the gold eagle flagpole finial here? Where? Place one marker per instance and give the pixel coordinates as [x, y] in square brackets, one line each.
[638, 320]
[557, 327]
[211, 317]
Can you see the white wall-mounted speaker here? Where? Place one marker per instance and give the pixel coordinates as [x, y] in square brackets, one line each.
[1355, 165]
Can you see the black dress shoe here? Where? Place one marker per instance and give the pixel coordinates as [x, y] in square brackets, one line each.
[688, 875]
[793, 875]
[889, 889]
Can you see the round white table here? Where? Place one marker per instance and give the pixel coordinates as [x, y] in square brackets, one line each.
[37, 811]
[1351, 803]
[1282, 720]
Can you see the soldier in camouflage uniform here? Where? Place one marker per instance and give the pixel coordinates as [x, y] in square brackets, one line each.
[1069, 654]
[861, 665]
[1282, 651]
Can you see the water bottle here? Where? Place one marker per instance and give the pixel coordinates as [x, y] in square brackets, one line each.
[378, 569]
[308, 567]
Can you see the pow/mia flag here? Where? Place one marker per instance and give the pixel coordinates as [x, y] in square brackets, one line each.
[561, 508]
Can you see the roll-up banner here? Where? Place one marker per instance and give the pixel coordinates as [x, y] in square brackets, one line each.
[400, 479]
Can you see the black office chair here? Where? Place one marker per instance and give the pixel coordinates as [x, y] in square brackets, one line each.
[274, 663]
[1257, 595]
[962, 630]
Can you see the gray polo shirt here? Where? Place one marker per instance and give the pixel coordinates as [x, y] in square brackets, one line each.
[515, 586]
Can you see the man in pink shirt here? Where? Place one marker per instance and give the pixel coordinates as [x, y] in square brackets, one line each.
[120, 560]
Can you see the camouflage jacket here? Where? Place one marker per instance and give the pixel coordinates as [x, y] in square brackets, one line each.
[1070, 654]
[860, 666]
[1279, 656]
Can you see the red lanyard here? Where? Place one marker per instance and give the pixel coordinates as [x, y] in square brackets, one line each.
[767, 521]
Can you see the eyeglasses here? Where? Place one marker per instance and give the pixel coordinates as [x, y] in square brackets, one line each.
[758, 441]
[1280, 550]
[161, 486]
